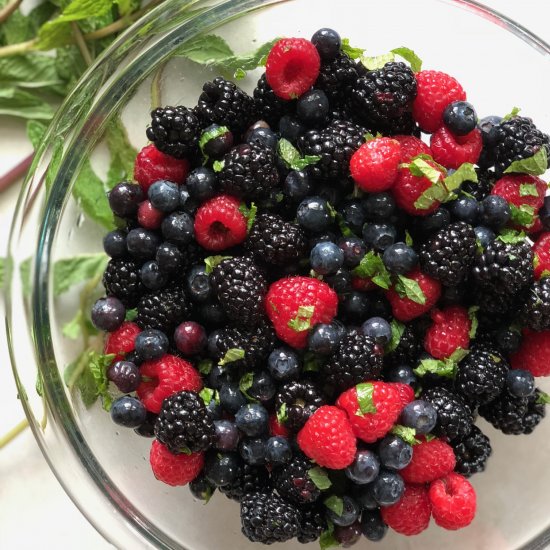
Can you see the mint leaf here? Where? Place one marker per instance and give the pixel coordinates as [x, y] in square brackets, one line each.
[409, 288]
[212, 261]
[514, 112]
[207, 394]
[35, 133]
[292, 157]
[408, 435]
[350, 51]
[465, 172]
[365, 398]
[408, 238]
[312, 362]
[421, 169]
[320, 478]
[335, 503]
[372, 267]
[20, 103]
[445, 369]
[131, 314]
[457, 355]
[282, 415]
[528, 190]
[218, 165]
[249, 214]
[208, 49]
[377, 62]
[32, 70]
[209, 135]
[545, 274]
[205, 366]
[474, 323]
[71, 271]
[435, 193]
[327, 539]
[245, 383]
[73, 328]
[98, 366]
[397, 330]
[535, 165]
[232, 355]
[410, 56]
[240, 63]
[511, 236]
[543, 398]
[239, 74]
[302, 321]
[524, 215]
[123, 154]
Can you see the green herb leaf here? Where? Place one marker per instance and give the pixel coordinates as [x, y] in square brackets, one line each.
[2, 272]
[35, 132]
[332, 211]
[474, 323]
[25, 274]
[465, 172]
[245, 383]
[458, 354]
[239, 74]
[32, 70]
[23, 104]
[511, 236]
[545, 274]
[408, 55]
[131, 314]
[292, 157]
[73, 329]
[207, 394]
[514, 112]
[350, 51]
[445, 369]
[312, 362]
[535, 165]
[39, 385]
[523, 215]
[212, 261]
[429, 437]
[205, 366]
[528, 190]
[218, 165]
[232, 355]
[409, 288]
[123, 154]
[421, 169]
[335, 503]
[282, 415]
[209, 135]
[408, 435]
[543, 398]
[71, 271]
[302, 321]
[397, 330]
[327, 539]
[377, 62]
[320, 478]
[372, 267]
[249, 214]
[208, 49]
[365, 398]
[408, 238]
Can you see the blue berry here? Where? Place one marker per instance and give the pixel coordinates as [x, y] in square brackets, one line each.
[164, 195]
[460, 117]
[252, 419]
[349, 515]
[484, 235]
[379, 235]
[324, 237]
[284, 364]
[364, 468]
[378, 207]
[214, 410]
[114, 244]
[354, 249]
[187, 204]
[399, 258]
[313, 214]
[290, 128]
[378, 329]
[169, 258]
[217, 376]
[222, 468]
[278, 451]
[178, 228]
[394, 453]
[151, 275]
[544, 213]
[435, 221]
[326, 258]
[489, 129]
[323, 339]
[312, 107]
[197, 284]
[402, 374]
[419, 415]
[331, 193]
[231, 398]
[520, 383]
[108, 313]
[218, 146]
[253, 451]
[354, 306]
[372, 525]
[125, 376]
[466, 209]
[201, 488]
[495, 211]
[341, 281]
[202, 183]
[388, 488]
[142, 244]
[128, 412]
[353, 214]
[264, 137]
[328, 43]
[151, 344]
[349, 535]
[362, 494]
[124, 199]
[227, 435]
[297, 185]
[263, 387]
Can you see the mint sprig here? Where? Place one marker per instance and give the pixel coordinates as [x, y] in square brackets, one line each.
[213, 261]
[373, 268]
[249, 214]
[292, 156]
[245, 383]
[410, 56]
[335, 504]
[514, 112]
[528, 190]
[282, 415]
[327, 539]
[408, 435]
[397, 330]
[535, 165]
[211, 134]
[350, 51]
[446, 368]
[511, 236]
[409, 288]
[543, 398]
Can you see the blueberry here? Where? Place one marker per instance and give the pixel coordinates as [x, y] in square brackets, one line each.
[187, 204]
[227, 435]
[324, 338]
[169, 258]
[435, 221]
[197, 284]
[263, 387]
[284, 364]
[253, 451]
[364, 468]
[202, 183]
[489, 127]
[394, 453]
[125, 376]
[372, 525]
[231, 398]
[341, 281]
[190, 338]
[544, 213]
[151, 276]
[201, 488]
[328, 43]
[151, 344]
[220, 142]
[402, 374]
[290, 128]
[354, 249]
[108, 313]
[419, 415]
[354, 306]
[399, 258]
[460, 117]
[331, 193]
[520, 383]
[484, 235]
[349, 535]
[378, 329]
[211, 315]
[312, 108]
[349, 514]
[388, 488]
[147, 429]
[313, 214]
[263, 137]
[221, 468]
[362, 494]
[124, 199]
[379, 235]
[214, 409]
[297, 185]
[466, 209]
[164, 195]
[353, 213]
[128, 412]
[324, 237]
[142, 243]
[378, 207]
[217, 376]
[278, 451]
[252, 419]
[178, 228]
[495, 211]
[326, 258]
[114, 244]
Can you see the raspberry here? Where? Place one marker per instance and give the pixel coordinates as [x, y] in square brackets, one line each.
[435, 90]
[431, 460]
[296, 304]
[453, 501]
[219, 224]
[411, 515]
[292, 67]
[449, 331]
[327, 438]
[411, 147]
[386, 400]
[148, 216]
[405, 309]
[174, 469]
[533, 354]
[153, 165]
[406, 393]
[163, 377]
[541, 250]
[121, 341]
[375, 164]
[451, 151]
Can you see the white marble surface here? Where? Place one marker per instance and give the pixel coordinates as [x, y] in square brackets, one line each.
[34, 510]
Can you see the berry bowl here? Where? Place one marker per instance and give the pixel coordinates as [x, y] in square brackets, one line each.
[56, 258]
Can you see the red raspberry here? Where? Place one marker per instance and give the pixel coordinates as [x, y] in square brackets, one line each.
[405, 309]
[406, 393]
[152, 165]
[292, 67]
[370, 426]
[449, 331]
[411, 147]
[431, 460]
[412, 514]
[453, 501]
[534, 353]
[328, 439]
[219, 224]
[451, 151]
[541, 249]
[374, 165]
[435, 91]
[164, 377]
[296, 304]
[121, 341]
[174, 469]
[276, 428]
[148, 216]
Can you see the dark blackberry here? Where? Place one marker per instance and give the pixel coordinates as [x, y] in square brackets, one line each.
[249, 172]
[357, 359]
[472, 452]
[449, 254]
[293, 483]
[300, 399]
[267, 518]
[174, 131]
[408, 349]
[312, 525]
[274, 241]
[253, 479]
[535, 310]
[184, 424]
[384, 93]
[222, 102]
[514, 415]
[454, 419]
[402, 125]
[121, 279]
[336, 76]
[335, 144]
[518, 138]
[269, 106]
[163, 309]
[481, 374]
[482, 188]
[490, 302]
[240, 288]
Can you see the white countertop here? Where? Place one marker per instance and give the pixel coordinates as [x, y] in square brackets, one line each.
[34, 510]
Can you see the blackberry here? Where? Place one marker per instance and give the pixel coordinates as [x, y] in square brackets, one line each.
[482, 188]
[336, 76]
[454, 419]
[275, 241]
[293, 483]
[472, 452]
[517, 138]
[408, 349]
[535, 311]
[300, 399]
[357, 359]
[481, 374]
[312, 525]
[174, 131]
[252, 479]
[240, 287]
[402, 125]
[449, 254]
[249, 171]
[269, 106]
[514, 415]
[222, 102]
[491, 302]
[383, 94]
[163, 309]
[267, 518]
[335, 144]
[121, 279]
[184, 424]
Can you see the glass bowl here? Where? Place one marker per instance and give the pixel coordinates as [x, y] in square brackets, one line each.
[104, 468]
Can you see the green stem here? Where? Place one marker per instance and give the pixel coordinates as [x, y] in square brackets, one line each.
[8, 9]
[156, 91]
[17, 49]
[13, 433]
[81, 43]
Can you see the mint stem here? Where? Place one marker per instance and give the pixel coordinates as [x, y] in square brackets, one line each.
[8, 9]
[16, 173]
[13, 433]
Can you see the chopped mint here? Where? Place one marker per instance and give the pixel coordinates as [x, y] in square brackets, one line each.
[131, 314]
[245, 383]
[457, 355]
[210, 135]
[320, 478]
[397, 330]
[514, 112]
[408, 238]
[207, 394]
[535, 165]
[377, 62]
[335, 503]
[528, 190]
[409, 288]
[218, 165]
[282, 415]
[410, 56]
[302, 321]
[543, 398]
[205, 366]
[327, 539]
[474, 323]
[445, 369]
[523, 215]
[332, 211]
[232, 355]
[465, 172]
[249, 214]
[511, 236]
[212, 261]
[350, 51]
[365, 398]
[369, 137]
[408, 435]
[239, 74]
[292, 157]
[372, 267]
[421, 169]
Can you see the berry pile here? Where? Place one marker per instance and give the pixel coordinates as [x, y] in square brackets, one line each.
[310, 307]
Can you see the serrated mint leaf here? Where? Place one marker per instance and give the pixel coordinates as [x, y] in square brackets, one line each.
[514, 112]
[292, 157]
[543, 398]
[320, 478]
[282, 414]
[535, 165]
[408, 238]
[408, 435]
[218, 165]
[211, 134]
[23, 104]
[372, 267]
[71, 271]
[397, 330]
[365, 398]
[511, 236]
[523, 215]
[421, 169]
[212, 261]
[350, 51]
[208, 49]
[335, 503]
[35, 133]
[232, 355]
[465, 172]
[205, 366]
[377, 62]
[207, 394]
[409, 288]
[474, 323]
[302, 321]
[240, 63]
[445, 369]
[528, 190]
[410, 56]
[458, 354]
[327, 539]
